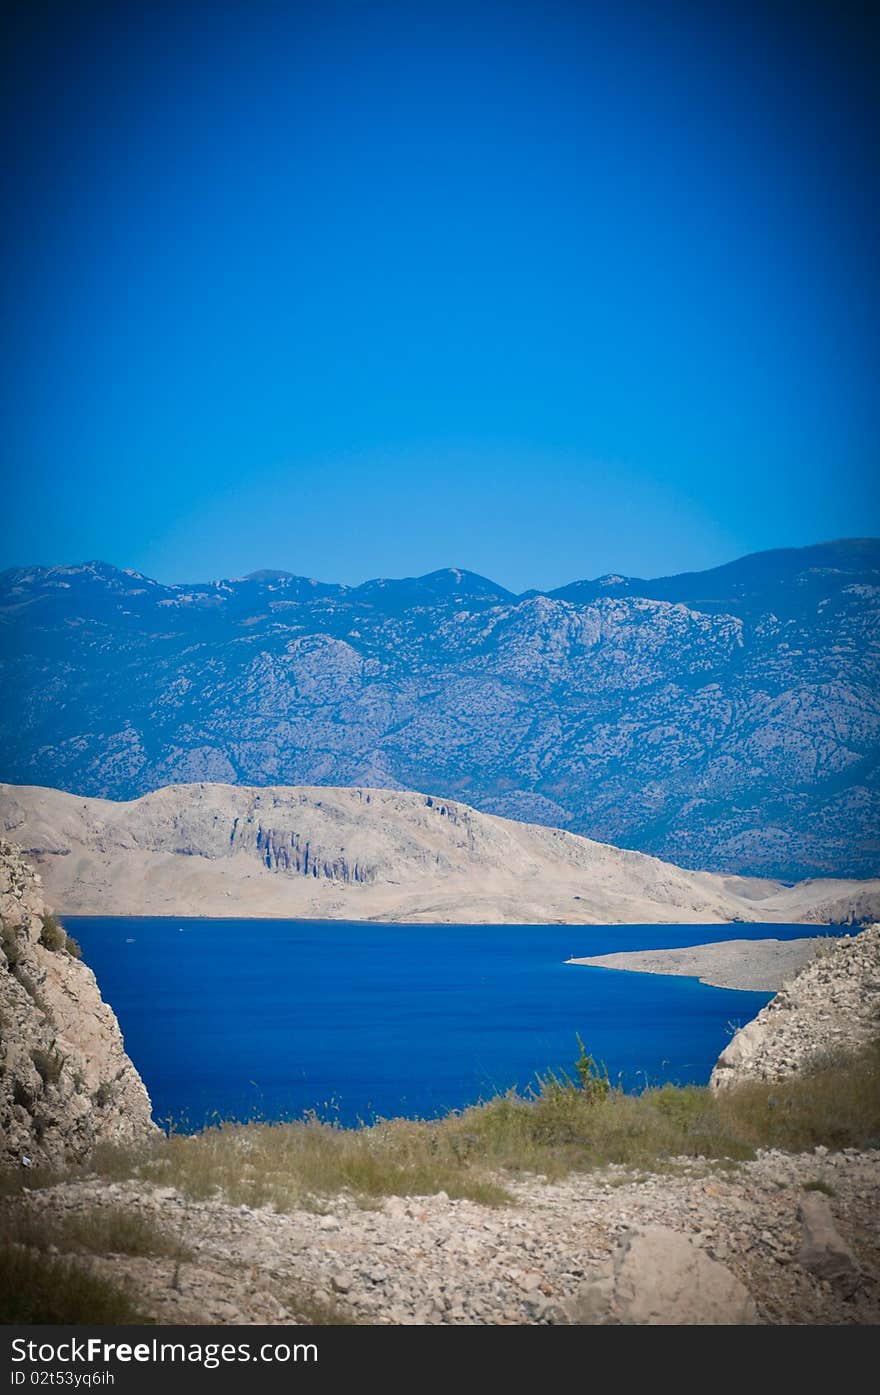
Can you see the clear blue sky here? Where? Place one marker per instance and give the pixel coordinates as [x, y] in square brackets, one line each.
[541, 290]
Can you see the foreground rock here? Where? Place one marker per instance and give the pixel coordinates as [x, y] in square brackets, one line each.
[436, 1260]
[66, 1083]
[658, 1277]
[761, 966]
[823, 1251]
[361, 854]
[832, 1006]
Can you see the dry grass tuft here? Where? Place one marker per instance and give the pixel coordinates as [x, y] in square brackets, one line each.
[564, 1125]
[836, 1103]
[38, 1288]
[559, 1128]
[111, 1231]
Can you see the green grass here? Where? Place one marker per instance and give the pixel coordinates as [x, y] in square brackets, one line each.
[36, 1288]
[562, 1130]
[836, 1104]
[290, 1165]
[13, 1181]
[110, 1231]
[558, 1128]
[43, 1278]
[561, 1126]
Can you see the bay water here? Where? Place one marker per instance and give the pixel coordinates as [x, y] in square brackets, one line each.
[269, 1019]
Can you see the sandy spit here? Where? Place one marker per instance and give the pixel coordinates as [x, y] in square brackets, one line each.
[760, 966]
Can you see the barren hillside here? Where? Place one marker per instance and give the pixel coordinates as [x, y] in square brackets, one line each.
[212, 849]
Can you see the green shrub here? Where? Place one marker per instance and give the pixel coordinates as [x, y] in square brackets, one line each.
[11, 945]
[104, 1094]
[73, 947]
[593, 1077]
[53, 935]
[49, 1065]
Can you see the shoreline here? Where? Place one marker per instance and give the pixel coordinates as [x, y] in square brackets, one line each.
[833, 927]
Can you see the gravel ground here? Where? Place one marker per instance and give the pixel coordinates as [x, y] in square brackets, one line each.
[433, 1260]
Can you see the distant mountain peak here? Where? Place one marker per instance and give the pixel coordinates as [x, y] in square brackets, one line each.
[460, 577]
[433, 586]
[856, 555]
[269, 574]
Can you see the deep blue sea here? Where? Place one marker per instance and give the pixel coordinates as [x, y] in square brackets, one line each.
[270, 1018]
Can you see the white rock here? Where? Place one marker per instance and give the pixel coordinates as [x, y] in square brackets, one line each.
[658, 1277]
[823, 1251]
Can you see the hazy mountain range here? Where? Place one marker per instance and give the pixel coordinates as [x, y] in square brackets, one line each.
[726, 719]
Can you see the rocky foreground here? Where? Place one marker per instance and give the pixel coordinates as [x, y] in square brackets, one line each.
[542, 1260]
[362, 854]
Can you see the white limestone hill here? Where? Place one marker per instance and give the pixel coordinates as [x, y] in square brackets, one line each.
[362, 854]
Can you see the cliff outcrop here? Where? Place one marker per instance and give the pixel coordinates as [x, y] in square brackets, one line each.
[829, 1009]
[66, 1083]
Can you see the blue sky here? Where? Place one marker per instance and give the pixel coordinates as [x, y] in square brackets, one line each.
[539, 290]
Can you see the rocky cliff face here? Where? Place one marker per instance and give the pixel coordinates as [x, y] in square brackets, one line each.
[727, 720]
[66, 1083]
[359, 854]
[831, 1006]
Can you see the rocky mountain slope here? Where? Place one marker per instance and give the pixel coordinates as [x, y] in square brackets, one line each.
[212, 850]
[66, 1083]
[830, 1008]
[728, 719]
